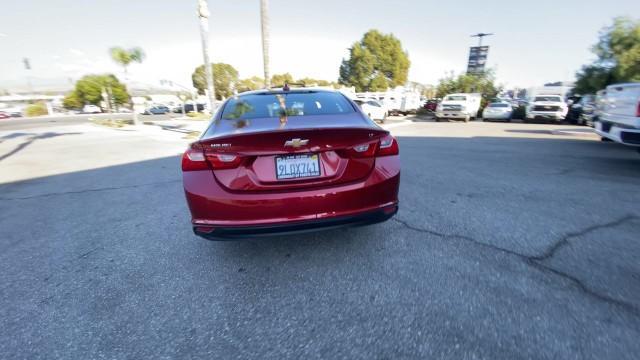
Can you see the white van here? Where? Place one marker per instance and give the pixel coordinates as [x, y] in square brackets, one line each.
[459, 107]
[619, 119]
[409, 103]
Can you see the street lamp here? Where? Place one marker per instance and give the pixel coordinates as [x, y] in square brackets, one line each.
[203, 15]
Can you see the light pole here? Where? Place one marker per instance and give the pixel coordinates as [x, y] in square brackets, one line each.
[203, 15]
[264, 20]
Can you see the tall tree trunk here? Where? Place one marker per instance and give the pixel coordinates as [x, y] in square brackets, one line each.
[203, 14]
[264, 19]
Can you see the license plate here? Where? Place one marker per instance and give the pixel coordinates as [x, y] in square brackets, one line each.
[297, 166]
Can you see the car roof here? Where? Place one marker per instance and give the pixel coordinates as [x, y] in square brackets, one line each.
[275, 91]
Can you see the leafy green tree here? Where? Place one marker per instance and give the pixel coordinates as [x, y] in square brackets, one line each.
[468, 83]
[313, 82]
[89, 90]
[37, 109]
[252, 83]
[124, 57]
[592, 78]
[375, 63]
[72, 101]
[618, 57]
[225, 78]
[278, 80]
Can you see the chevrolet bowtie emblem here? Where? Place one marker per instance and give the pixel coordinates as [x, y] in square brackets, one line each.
[296, 143]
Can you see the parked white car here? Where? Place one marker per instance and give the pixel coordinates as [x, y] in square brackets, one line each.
[498, 111]
[619, 120]
[91, 109]
[547, 107]
[373, 109]
[459, 107]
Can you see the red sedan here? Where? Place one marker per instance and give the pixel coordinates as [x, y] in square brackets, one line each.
[4, 115]
[279, 161]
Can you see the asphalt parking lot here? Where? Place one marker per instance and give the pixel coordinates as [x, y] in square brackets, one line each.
[511, 242]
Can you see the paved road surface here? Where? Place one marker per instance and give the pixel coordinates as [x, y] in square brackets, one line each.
[66, 120]
[511, 243]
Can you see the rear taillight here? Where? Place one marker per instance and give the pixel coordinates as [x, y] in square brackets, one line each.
[363, 150]
[638, 110]
[223, 161]
[196, 158]
[388, 146]
[193, 159]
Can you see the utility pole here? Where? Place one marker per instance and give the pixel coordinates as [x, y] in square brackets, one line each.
[203, 15]
[264, 19]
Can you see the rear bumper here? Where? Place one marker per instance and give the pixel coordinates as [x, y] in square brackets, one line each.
[452, 115]
[245, 232]
[214, 207]
[618, 133]
[505, 116]
[539, 115]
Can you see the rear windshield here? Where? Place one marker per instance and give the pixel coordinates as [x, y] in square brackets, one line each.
[456, 98]
[548, 98]
[499, 105]
[286, 104]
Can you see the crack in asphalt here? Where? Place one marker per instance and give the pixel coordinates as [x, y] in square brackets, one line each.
[536, 261]
[551, 251]
[90, 190]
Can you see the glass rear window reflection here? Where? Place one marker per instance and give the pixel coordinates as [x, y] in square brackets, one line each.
[286, 104]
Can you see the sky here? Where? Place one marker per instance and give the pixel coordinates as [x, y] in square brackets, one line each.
[535, 42]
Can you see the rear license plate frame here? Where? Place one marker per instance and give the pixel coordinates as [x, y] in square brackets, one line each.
[310, 158]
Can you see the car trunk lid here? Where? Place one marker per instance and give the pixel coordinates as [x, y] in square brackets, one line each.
[341, 150]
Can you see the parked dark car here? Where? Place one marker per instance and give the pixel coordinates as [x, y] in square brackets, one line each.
[157, 110]
[575, 109]
[189, 108]
[585, 110]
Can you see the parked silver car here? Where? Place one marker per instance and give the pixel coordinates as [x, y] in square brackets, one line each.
[498, 111]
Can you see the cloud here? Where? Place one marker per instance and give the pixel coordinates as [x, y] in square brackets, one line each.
[3, 35]
[76, 52]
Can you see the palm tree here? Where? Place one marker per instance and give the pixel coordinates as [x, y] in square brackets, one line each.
[125, 57]
[264, 19]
